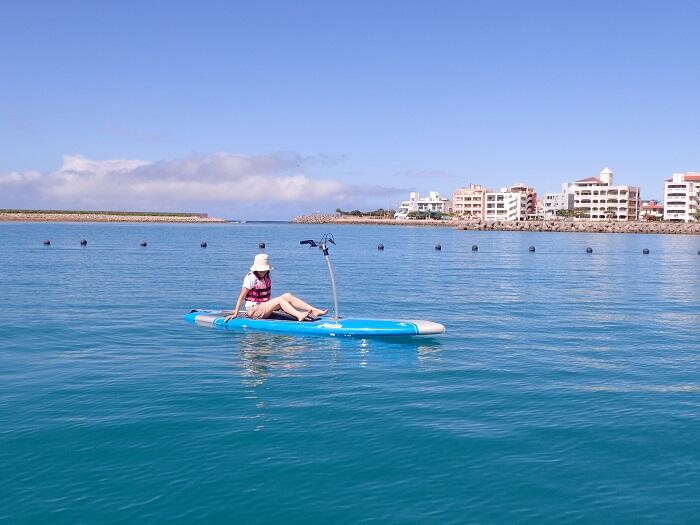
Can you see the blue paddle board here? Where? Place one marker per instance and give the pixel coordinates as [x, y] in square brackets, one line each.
[323, 326]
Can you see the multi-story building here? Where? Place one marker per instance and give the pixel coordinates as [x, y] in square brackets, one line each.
[651, 210]
[528, 196]
[554, 202]
[597, 199]
[682, 196]
[431, 204]
[469, 202]
[504, 206]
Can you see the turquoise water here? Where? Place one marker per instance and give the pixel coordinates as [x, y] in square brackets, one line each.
[566, 388]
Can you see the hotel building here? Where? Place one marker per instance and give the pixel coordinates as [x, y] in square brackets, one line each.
[598, 199]
[682, 196]
[432, 203]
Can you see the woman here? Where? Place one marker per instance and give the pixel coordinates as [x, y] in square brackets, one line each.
[259, 304]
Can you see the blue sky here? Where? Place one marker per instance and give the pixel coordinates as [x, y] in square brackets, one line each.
[280, 108]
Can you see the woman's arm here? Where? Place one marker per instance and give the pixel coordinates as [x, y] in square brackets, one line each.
[241, 296]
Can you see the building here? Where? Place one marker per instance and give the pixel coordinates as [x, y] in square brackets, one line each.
[469, 202]
[528, 196]
[597, 199]
[682, 197]
[651, 210]
[431, 204]
[561, 201]
[504, 206]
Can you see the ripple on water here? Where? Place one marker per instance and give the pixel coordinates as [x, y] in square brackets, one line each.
[565, 388]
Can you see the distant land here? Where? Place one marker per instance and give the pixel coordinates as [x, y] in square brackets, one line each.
[102, 216]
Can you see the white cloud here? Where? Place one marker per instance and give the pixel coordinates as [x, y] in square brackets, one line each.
[216, 181]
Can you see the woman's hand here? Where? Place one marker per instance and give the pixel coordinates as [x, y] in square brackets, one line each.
[241, 297]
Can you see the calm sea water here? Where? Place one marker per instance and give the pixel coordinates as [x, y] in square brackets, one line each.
[566, 388]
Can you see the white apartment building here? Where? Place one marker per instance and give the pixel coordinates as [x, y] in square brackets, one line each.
[598, 199]
[433, 203]
[528, 196]
[504, 206]
[553, 202]
[682, 196]
[469, 202]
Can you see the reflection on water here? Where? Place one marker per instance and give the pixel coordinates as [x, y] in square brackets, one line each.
[260, 354]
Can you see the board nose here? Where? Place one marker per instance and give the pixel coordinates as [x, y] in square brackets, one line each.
[428, 327]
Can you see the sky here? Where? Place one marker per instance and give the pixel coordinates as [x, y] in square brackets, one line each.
[265, 110]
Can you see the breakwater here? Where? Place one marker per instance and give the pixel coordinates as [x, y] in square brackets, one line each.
[650, 227]
[43, 216]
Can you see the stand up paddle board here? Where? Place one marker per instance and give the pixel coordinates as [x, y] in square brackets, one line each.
[323, 326]
[328, 325]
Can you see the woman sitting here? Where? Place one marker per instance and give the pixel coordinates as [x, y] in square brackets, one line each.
[257, 293]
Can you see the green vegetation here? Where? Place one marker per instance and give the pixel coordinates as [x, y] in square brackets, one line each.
[381, 212]
[696, 215]
[577, 213]
[120, 213]
[426, 215]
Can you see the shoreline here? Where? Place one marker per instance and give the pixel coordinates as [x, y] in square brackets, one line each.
[103, 217]
[559, 226]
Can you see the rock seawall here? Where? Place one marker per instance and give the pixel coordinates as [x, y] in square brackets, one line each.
[650, 227]
[98, 217]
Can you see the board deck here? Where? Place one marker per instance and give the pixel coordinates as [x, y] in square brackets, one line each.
[323, 326]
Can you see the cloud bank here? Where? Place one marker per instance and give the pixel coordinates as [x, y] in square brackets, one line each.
[221, 181]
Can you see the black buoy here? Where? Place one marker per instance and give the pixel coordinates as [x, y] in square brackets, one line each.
[589, 250]
[143, 244]
[203, 244]
[645, 251]
[438, 247]
[475, 248]
[261, 245]
[698, 252]
[531, 249]
[83, 242]
[380, 247]
[47, 242]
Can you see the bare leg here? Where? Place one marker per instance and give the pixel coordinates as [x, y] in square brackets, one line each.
[284, 304]
[301, 305]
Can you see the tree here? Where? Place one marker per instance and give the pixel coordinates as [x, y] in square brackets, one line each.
[696, 215]
[578, 212]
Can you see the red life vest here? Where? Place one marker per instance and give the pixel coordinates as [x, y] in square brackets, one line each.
[262, 290]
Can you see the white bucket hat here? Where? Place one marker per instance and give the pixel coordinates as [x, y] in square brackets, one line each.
[261, 263]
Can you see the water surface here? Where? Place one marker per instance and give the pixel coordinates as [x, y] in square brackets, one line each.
[566, 388]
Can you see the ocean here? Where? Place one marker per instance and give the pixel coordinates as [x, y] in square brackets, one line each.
[566, 388]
